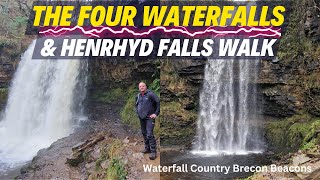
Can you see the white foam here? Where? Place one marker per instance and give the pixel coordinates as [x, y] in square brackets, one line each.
[221, 153]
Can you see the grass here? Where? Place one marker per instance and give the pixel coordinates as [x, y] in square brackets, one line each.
[8, 42]
[110, 152]
[116, 170]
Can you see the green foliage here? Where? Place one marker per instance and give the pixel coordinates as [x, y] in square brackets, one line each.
[156, 74]
[312, 138]
[110, 152]
[276, 134]
[155, 86]
[290, 45]
[128, 113]
[14, 18]
[309, 146]
[297, 132]
[9, 42]
[175, 109]
[116, 170]
[109, 96]
[293, 44]
[173, 112]
[17, 24]
[302, 117]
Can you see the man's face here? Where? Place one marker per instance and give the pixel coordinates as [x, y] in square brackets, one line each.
[142, 87]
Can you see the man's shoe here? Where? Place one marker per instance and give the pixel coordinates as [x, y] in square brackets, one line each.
[153, 156]
[145, 151]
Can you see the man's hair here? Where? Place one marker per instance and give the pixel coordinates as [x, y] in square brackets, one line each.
[143, 83]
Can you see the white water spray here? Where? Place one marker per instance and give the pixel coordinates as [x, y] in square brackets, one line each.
[41, 106]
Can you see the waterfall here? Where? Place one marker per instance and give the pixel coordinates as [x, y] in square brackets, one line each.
[227, 121]
[44, 98]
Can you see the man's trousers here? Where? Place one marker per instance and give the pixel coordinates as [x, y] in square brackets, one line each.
[147, 126]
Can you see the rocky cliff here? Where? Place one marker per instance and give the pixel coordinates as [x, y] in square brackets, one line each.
[181, 82]
[112, 73]
[290, 86]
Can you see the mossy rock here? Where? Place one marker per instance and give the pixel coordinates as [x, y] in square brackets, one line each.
[109, 96]
[275, 133]
[177, 124]
[291, 134]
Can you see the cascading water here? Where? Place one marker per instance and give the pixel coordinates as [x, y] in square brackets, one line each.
[41, 108]
[227, 122]
[228, 109]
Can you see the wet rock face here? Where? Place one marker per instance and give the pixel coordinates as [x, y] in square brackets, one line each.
[8, 64]
[6, 72]
[109, 73]
[278, 104]
[192, 70]
[10, 55]
[312, 20]
[276, 94]
[313, 101]
[181, 81]
[289, 85]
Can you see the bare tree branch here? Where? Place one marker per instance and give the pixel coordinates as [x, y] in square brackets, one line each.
[315, 5]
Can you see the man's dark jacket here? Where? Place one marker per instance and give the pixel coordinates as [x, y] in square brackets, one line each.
[147, 104]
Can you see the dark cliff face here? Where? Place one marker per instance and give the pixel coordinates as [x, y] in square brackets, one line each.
[10, 55]
[312, 20]
[108, 73]
[290, 84]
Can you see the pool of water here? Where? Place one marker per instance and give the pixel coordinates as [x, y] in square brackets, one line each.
[216, 164]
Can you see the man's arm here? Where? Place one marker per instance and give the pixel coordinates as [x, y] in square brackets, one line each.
[156, 101]
[136, 103]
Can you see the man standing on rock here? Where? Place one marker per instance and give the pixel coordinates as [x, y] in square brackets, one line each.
[148, 108]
